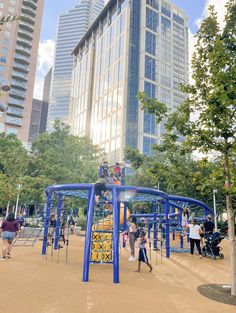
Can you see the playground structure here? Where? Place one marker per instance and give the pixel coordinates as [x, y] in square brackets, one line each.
[105, 224]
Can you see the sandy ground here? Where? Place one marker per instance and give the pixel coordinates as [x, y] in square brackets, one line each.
[29, 283]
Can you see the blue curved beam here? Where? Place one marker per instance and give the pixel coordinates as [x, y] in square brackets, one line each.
[191, 200]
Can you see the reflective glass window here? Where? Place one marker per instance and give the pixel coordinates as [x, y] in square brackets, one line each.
[150, 68]
[165, 8]
[165, 28]
[152, 19]
[153, 3]
[150, 43]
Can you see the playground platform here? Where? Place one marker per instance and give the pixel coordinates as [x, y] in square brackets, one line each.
[29, 283]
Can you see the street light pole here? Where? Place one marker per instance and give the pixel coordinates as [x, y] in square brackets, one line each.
[214, 207]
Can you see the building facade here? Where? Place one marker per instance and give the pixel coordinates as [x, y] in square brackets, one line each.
[71, 27]
[132, 46]
[19, 42]
[45, 101]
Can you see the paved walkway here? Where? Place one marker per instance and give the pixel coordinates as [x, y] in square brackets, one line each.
[29, 283]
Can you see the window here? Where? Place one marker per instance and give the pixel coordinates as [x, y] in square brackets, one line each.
[1, 5]
[178, 19]
[152, 20]
[147, 145]
[150, 68]
[13, 2]
[165, 27]
[3, 60]
[165, 8]
[7, 33]
[12, 131]
[153, 3]
[11, 9]
[2, 68]
[150, 42]
[150, 89]
[165, 75]
[4, 50]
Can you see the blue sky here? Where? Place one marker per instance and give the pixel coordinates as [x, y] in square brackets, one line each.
[53, 8]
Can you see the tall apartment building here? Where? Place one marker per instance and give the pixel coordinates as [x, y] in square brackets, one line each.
[71, 27]
[18, 59]
[132, 46]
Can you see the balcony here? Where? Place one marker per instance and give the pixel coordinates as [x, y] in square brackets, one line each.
[28, 19]
[14, 121]
[20, 57]
[21, 67]
[15, 102]
[18, 84]
[25, 42]
[17, 94]
[30, 3]
[23, 49]
[28, 11]
[25, 34]
[15, 112]
[25, 25]
[19, 75]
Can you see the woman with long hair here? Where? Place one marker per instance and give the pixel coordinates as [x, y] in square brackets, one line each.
[9, 229]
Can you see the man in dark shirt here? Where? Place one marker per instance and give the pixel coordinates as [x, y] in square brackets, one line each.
[208, 226]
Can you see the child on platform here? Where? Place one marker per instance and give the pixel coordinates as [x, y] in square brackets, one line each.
[142, 257]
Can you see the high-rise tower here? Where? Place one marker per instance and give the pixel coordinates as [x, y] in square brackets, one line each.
[132, 46]
[71, 27]
[19, 42]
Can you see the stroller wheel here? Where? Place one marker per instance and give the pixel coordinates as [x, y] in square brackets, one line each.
[213, 257]
[221, 255]
[203, 253]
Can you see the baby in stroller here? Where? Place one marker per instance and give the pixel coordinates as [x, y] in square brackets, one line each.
[211, 248]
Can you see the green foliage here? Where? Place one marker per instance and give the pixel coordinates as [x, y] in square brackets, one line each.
[56, 158]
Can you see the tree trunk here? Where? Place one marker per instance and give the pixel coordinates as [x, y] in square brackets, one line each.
[231, 227]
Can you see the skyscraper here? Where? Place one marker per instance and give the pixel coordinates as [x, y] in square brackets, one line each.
[132, 46]
[18, 58]
[71, 27]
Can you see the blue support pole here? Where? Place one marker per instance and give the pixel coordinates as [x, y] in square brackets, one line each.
[116, 220]
[125, 223]
[58, 223]
[46, 222]
[182, 233]
[155, 225]
[149, 231]
[87, 244]
[167, 222]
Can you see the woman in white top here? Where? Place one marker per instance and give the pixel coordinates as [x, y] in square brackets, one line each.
[194, 236]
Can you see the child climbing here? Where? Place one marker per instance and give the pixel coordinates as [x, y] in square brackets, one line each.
[100, 187]
[142, 257]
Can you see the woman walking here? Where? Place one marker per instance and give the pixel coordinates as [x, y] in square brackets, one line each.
[9, 229]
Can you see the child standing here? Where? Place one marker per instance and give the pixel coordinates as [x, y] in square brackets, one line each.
[142, 257]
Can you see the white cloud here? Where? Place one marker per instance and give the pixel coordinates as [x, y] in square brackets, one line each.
[45, 61]
[219, 7]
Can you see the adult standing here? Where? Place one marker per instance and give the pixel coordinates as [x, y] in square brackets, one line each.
[132, 237]
[208, 226]
[194, 236]
[9, 229]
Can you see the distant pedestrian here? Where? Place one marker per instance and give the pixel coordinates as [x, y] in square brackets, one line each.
[142, 257]
[208, 226]
[9, 229]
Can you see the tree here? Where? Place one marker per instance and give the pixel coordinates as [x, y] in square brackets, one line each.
[213, 97]
[10, 18]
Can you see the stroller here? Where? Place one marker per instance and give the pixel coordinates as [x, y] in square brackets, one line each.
[211, 248]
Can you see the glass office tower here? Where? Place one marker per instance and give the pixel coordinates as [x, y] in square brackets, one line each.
[132, 46]
[71, 27]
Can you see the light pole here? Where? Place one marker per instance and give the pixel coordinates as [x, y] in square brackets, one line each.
[17, 199]
[214, 207]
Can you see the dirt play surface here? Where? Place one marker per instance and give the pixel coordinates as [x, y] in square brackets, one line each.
[29, 283]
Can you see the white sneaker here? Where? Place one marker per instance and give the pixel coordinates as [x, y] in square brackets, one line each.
[131, 258]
